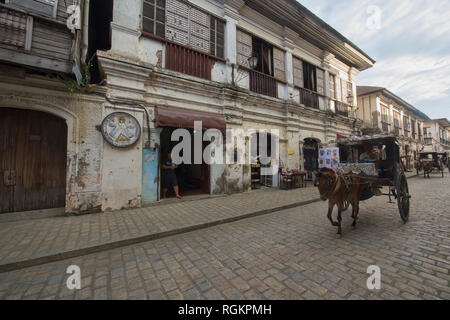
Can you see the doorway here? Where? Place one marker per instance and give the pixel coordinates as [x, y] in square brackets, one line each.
[311, 157]
[33, 153]
[193, 179]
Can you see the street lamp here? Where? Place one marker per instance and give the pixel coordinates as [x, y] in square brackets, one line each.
[252, 63]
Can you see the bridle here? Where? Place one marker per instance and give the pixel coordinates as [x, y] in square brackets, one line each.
[332, 191]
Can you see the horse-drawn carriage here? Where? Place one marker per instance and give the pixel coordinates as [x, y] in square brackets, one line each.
[431, 162]
[367, 164]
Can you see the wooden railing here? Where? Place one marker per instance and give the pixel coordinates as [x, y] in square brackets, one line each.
[342, 108]
[309, 98]
[188, 61]
[262, 83]
[385, 126]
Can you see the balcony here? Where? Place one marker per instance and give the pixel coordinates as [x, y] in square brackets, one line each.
[407, 133]
[309, 98]
[385, 125]
[189, 61]
[428, 141]
[262, 83]
[342, 109]
[34, 40]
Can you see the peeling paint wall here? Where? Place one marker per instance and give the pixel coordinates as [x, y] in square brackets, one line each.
[122, 171]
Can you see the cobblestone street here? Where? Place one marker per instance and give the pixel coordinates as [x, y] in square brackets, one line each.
[290, 254]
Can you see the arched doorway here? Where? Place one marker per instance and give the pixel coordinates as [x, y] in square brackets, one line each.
[311, 156]
[33, 153]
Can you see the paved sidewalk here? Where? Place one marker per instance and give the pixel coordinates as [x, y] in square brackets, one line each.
[34, 242]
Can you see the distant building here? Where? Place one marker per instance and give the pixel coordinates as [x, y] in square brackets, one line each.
[437, 135]
[383, 111]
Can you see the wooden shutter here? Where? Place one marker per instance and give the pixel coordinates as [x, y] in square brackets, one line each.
[298, 72]
[13, 27]
[217, 37]
[244, 48]
[332, 86]
[177, 18]
[279, 64]
[349, 91]
[200, 30]
[320, 74]
[338, 89]
[46, 7]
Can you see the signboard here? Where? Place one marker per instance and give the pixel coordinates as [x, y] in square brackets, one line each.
[329, 158]
[121, 129]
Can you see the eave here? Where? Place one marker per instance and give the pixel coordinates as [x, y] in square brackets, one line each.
[291, 14]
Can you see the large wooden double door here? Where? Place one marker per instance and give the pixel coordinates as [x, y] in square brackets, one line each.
[33, 151]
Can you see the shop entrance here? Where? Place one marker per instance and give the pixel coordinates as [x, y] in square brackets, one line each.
[311, 157]
[33, 152]
[193, 179]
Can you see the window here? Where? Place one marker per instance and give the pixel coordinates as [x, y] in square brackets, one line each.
[320, 81]
[385, 118]
[309, 76]
[332, 86]
[397, 123]
[154, 17]
[183, 23]
[264, 52]
[344, 89]
[406, 126]
[46, 7]
[298, 72]
[217, 37]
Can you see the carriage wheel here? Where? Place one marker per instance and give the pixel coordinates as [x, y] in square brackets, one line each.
[403, 197]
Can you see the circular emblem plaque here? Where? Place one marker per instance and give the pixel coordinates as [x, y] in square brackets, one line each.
[121, 129]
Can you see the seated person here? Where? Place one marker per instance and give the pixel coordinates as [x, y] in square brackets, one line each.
[368, 154]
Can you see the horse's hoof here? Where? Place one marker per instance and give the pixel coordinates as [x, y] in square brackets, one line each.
[339, 236]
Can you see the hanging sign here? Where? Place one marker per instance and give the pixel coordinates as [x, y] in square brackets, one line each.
[121, 129]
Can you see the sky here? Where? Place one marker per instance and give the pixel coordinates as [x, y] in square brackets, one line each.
[409, 39]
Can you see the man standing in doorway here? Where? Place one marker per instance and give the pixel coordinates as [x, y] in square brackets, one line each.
[170, 178]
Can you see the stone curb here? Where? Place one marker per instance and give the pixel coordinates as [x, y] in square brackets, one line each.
[14, 266]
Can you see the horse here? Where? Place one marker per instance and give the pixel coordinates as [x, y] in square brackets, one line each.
[338, 189]
[427, 167]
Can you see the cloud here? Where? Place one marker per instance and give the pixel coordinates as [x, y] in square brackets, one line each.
[412, 46]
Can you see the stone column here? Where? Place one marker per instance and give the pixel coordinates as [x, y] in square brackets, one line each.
[231, 14]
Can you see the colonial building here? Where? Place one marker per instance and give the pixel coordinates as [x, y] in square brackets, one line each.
[386, 112]
[154, 66]
[437, 135]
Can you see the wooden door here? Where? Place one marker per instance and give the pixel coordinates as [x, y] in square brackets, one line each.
[33, 147]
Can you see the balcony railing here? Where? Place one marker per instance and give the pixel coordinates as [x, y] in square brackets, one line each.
[385, 126]
[407, 132]
[309, 98]
[342, 108]
[188, 61]
[262, 83]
